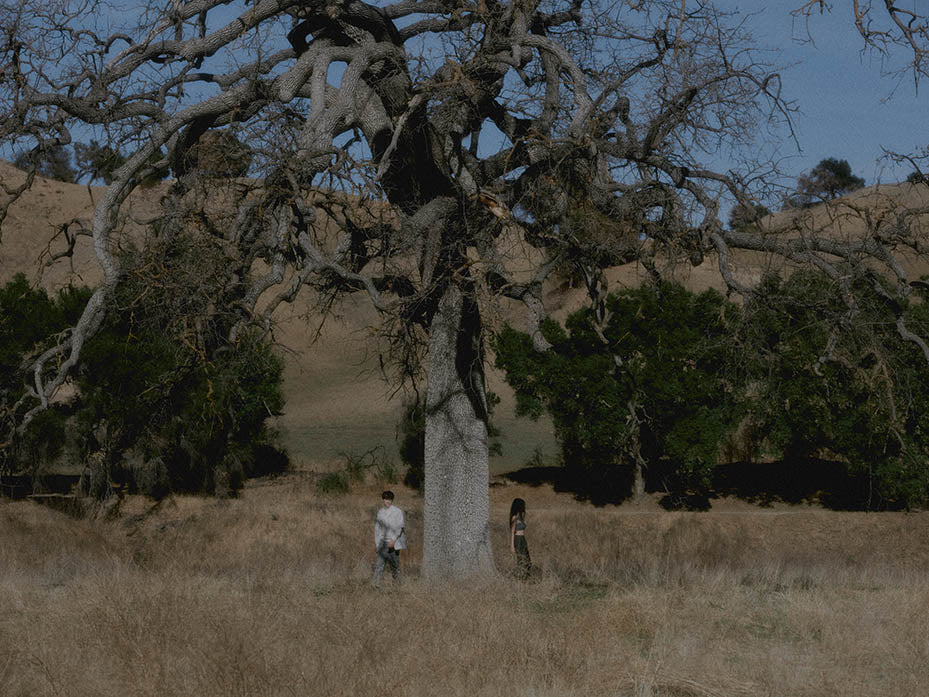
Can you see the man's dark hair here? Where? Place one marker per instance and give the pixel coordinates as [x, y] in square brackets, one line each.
[388, 495]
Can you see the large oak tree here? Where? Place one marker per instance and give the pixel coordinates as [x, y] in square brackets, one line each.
[412, 151]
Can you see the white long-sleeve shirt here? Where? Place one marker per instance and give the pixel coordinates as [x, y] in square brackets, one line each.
[389, 526]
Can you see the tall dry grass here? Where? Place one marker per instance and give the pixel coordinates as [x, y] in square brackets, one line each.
[269, 594]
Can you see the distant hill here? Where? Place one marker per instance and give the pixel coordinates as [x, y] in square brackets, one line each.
[337, 401]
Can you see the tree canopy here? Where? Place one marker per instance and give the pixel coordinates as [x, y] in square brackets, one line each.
[853, 393]
[657, 386]
[162, 402]
[646, 383]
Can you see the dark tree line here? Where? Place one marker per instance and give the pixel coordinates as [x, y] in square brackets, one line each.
[665, 385]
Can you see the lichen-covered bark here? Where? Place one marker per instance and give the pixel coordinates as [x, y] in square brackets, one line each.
[456, 534]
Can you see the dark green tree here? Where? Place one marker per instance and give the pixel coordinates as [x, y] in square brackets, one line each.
[165, 401]
[642, 385]
[27, 316]
[29, 319]
[743, 217]
[822, 389]
[50, 160]
[96, 161]
[30, 322]
[163, 381]
[834, 178]
[828, 180]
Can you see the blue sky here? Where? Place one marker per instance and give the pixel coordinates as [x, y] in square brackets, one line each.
[847, 109]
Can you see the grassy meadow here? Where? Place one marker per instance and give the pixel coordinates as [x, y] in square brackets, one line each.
[269, 594]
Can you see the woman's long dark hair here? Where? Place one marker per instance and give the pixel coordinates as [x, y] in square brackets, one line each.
[517, 508]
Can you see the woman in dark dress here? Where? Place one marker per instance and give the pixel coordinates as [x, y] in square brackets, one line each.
[518, 544]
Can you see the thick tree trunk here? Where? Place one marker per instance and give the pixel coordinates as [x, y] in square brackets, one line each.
[456, 534]
[638, 484]
[638, 462]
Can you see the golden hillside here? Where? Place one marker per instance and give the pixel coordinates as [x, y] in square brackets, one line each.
[337, 401]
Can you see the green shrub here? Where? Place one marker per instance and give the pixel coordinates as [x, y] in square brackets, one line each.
[30, 322]
[334, 483]
[165, 402]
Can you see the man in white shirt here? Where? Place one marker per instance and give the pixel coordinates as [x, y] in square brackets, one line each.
[389, 538]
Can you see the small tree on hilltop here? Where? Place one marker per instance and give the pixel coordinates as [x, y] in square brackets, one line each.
[828, 180]
[834, 178]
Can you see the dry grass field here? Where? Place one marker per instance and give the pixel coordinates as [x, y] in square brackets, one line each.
[268, 594]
